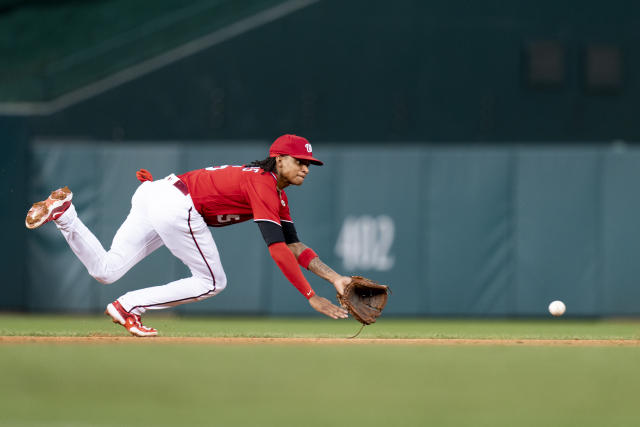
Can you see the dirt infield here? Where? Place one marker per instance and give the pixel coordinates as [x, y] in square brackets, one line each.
[320, 341]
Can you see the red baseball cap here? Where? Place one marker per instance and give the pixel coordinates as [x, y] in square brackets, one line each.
[294, 146]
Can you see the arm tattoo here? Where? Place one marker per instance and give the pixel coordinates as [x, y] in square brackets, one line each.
[316, 266]
[321, 269]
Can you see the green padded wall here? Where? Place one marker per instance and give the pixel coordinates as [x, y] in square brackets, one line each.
[469, 235]
[461, 230]
[558, 229]
[620, 231]
[14, 135]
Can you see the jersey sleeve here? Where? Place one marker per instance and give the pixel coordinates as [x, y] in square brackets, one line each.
[264, 200]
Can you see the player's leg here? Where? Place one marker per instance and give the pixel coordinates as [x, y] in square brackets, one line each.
[134, 240]
[187, 236]
[207, 279]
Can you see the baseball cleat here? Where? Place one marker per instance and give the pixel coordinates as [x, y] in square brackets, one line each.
[55, 205]
[131, 322]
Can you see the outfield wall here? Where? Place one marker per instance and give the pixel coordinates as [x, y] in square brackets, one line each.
[14, 136]
[457, 230]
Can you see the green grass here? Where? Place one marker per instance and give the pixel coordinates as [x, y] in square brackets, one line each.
[547, 328]
[160, 384]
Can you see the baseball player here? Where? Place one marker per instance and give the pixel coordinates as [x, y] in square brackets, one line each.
[175, 212]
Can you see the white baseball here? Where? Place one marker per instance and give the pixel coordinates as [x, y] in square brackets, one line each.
[557, 308]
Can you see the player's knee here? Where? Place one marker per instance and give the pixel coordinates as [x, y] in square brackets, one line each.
[108, 270]
[213, 283]
[104, 278]
[221, 283]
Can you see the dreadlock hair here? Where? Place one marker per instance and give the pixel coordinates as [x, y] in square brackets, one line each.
[267, 165]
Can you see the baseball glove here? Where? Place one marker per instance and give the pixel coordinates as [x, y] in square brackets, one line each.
[364, 299]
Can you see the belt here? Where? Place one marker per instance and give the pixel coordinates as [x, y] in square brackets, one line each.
[178, 183]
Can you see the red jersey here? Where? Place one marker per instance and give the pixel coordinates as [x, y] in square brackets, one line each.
[226, 195]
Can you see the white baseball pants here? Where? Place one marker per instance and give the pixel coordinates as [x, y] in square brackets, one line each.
[161, 214]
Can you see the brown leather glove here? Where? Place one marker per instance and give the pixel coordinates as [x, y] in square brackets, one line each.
[364, 299]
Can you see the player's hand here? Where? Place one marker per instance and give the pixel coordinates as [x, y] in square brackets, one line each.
[340, 283]
[325, 307]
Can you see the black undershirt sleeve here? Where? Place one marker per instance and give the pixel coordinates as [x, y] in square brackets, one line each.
[271, 232]
[290, 234]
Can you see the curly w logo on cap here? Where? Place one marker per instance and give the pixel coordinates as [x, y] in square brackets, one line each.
[294, 146]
